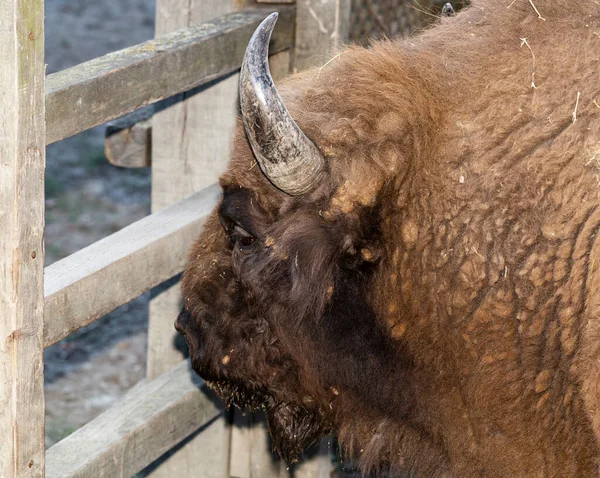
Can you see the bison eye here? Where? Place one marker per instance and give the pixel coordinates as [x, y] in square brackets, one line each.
[242, 237]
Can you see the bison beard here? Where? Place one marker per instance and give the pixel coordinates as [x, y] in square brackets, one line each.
[413, 265]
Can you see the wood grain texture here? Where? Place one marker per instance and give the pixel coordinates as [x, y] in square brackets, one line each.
[108, 87]
[129, 147]
[95, 280]
[199, 450]
[251, 450]
[128, 140]
[22, 157]
[241, 444]
[322, 27]
[263, 462]
[190, 147]
[317, 465]
[151, 418]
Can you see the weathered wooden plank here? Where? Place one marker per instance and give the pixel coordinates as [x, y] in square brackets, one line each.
[203, 448]
[276, 1]
[151, 418]
[251, 452]
[128, 140]
[240, 448]
[22, 157]
[318, 465]
[280, 65]
[129, 147]
[190, 147]
[97, 279]
[321, 28]
[263, 462]
[108, 87]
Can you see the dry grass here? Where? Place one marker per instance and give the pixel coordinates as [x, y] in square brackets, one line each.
[524, 42]
[576, 106]
[533, 5]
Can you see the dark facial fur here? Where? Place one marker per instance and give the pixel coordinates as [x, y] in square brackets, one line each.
[260, 323]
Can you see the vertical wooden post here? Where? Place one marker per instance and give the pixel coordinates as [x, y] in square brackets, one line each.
[317, 465]
[191, 144]
[321, 28]
[22, 156]
[250, 451]
[190, 147]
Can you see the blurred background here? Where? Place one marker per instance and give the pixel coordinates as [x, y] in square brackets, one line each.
[87, 198]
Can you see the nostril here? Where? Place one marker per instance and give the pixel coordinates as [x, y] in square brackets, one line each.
[182, 322]
[186, 326]
[179, 328]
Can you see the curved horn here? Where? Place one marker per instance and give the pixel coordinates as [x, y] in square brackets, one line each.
[286, 156]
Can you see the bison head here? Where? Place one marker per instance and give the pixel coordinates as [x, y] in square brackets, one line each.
[277, 310]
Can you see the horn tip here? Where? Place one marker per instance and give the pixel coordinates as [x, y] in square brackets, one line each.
[269, 22]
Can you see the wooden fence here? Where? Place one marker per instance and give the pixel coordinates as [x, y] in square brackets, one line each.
[195, 58]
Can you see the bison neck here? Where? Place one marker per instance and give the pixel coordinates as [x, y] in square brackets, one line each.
[370, 378]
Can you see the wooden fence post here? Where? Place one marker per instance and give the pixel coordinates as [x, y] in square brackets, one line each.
[190, 148]
[321, 28]
[22, 157]
[250, 452]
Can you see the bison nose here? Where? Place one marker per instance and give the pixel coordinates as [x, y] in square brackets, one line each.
[187, 327]
[182, 323]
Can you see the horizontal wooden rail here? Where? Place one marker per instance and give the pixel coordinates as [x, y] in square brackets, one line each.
[128, 139]
[110, 86]
[97, 279]
[153, 417]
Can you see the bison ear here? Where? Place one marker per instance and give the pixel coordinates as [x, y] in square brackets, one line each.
[286, 156]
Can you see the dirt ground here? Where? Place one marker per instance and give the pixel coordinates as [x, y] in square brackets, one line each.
[87, 199]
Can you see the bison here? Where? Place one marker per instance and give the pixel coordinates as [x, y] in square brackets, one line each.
[406, 253]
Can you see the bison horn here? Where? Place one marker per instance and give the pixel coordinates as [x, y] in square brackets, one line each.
[286, 156]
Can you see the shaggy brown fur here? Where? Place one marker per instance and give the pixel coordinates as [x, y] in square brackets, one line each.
[436, 301]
